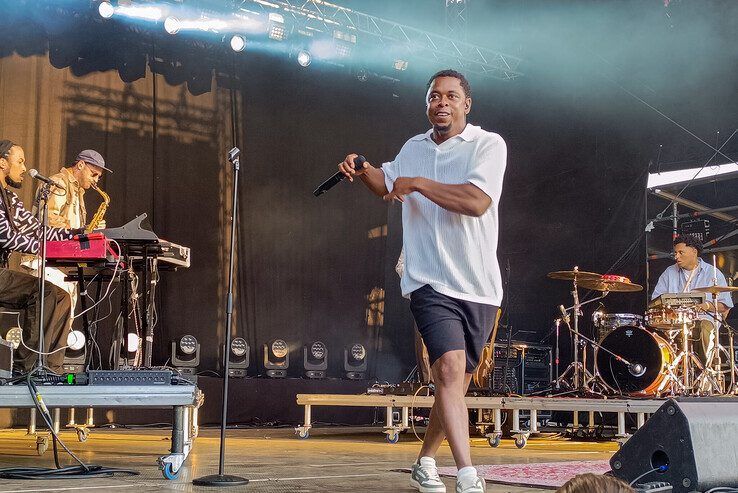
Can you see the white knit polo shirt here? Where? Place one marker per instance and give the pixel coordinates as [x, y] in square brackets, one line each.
[455, 254]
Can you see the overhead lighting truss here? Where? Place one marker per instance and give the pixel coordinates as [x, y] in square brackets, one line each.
[326, 17]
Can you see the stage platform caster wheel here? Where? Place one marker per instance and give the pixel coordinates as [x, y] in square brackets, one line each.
[393, 437]
[521, 442]
[494, 441]
[303, 435]
[169, 473]
[83, 434]
[42, 445]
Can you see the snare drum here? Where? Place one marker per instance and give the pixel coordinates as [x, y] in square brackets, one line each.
[670, 318]
[607, 322]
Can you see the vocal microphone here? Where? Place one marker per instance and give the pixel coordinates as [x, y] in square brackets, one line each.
[339, 176]
[35, 174]
[636, 369]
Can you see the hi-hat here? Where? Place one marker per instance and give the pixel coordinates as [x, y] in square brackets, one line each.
[571, 275]
[716, 289]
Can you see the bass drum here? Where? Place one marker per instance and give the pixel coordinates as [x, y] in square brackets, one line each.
[639, 346]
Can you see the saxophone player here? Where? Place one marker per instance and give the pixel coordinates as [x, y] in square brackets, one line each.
[67, 208]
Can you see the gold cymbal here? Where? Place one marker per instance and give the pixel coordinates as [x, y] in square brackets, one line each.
[716, 289]
[570, 275]
[607, 283]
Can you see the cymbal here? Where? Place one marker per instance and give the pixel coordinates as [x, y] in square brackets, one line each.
[570, 275]
[716, 289]
[615, 284]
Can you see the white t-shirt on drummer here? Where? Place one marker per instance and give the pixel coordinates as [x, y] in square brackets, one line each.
[454, 253]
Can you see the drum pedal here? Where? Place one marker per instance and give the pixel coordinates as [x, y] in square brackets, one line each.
[653, 487]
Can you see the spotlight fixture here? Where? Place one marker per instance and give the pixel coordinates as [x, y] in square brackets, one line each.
[238, 43]
[106, 10]
[238, 358]
[276, 358]
[76, 340]
[400, 65]
[14, 336]
[277, 30]
[171, 25]
[315, 359]
[303, 58]
[354, 362]
[343, 43]
[186, 354]
[75, 355]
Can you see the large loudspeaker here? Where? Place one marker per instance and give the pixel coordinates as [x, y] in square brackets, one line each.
[697, 438]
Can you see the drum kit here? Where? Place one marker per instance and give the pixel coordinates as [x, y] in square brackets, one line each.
[672, 350]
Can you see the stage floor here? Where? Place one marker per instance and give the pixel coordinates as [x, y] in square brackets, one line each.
[332, 459]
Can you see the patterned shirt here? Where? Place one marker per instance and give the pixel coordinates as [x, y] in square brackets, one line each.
[22, 235]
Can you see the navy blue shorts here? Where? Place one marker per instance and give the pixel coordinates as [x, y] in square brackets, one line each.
[447, 324]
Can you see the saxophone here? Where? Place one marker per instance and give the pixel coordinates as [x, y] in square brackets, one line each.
[100, 213]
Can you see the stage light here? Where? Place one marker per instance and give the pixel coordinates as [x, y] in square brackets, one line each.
[315, 359]
[172, 25]
[362, 75]
[303, 58]
[14, 336]
[106, 10]
[186, 354]
[400, 65]
[276, 358]
[75, 355]
[132, 342]
[277, 30]
[76, 340]
[343, 43]
[354, 362]
[238, 358]
[140, 12]
[238, 43]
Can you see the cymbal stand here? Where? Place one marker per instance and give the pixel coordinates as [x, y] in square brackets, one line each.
[587, 376]
[712, 379]
[579, 373]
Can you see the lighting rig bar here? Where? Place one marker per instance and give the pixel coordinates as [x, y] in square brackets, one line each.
[326, 17]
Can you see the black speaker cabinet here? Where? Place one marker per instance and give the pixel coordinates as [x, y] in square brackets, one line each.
[697, 438]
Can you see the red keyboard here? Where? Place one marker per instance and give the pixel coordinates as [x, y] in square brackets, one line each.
[89, 247]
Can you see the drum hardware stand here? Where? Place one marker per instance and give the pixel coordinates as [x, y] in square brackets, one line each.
[588, 377]
[579, 372]
[712, 379]
[684, 358]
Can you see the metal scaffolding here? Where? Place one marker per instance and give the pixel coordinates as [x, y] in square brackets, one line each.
[325, 17]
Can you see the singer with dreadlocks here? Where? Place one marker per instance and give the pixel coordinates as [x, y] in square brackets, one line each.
[20, 232]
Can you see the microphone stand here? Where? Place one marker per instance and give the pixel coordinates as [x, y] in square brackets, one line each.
[43, 199]
[222, 479]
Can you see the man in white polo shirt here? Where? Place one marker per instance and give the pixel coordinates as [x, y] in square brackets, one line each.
[449, 181]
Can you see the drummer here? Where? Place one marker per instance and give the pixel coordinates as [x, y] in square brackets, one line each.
[690, 272]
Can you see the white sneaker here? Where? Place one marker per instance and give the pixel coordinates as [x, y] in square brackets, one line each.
[425, 479]
[476, 486]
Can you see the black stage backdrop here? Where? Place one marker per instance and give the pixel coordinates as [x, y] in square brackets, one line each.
[598, 98]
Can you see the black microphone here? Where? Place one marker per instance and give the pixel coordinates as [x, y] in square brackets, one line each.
[339, 176]
[636, 369]
[35, 174]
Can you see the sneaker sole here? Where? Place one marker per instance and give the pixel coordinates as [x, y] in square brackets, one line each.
[427, 489]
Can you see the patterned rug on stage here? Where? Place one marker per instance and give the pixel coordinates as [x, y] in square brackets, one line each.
[543, 474]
